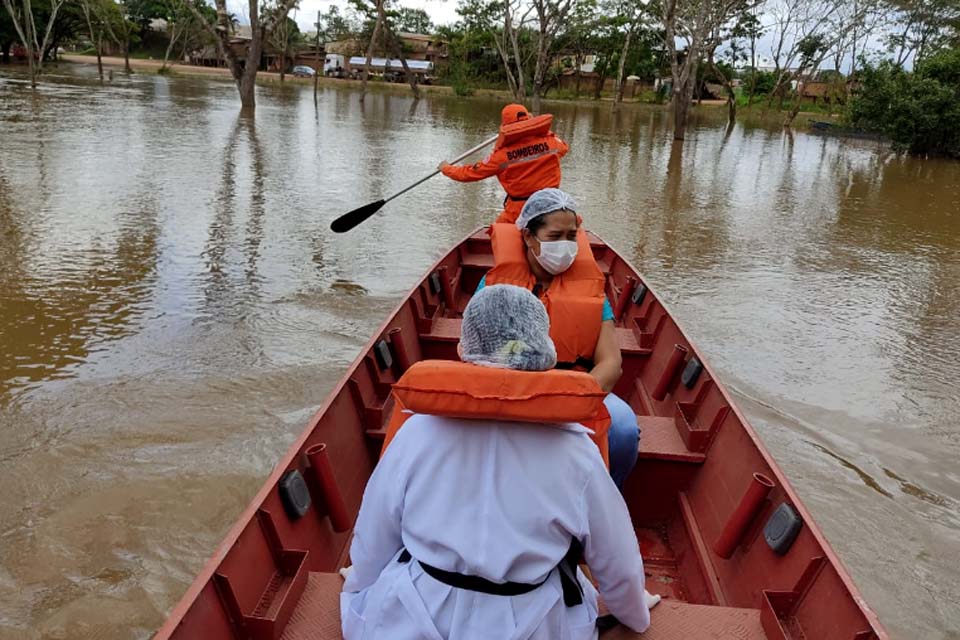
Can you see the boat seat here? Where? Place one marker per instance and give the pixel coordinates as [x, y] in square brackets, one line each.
[317, 617]
[484, 262]
[660, 440]
[675, 620]
[448, 330]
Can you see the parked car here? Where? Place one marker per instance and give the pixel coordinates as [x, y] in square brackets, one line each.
[303, 71]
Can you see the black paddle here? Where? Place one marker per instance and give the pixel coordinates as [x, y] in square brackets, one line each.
[349, 220]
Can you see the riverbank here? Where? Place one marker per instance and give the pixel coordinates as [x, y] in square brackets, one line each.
[273, 78]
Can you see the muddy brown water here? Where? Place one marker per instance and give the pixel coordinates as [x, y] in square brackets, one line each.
[173, 308]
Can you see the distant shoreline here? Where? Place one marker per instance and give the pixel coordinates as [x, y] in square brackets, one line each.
[273, 78]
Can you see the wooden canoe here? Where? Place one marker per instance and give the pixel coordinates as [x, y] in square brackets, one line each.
[703, 530]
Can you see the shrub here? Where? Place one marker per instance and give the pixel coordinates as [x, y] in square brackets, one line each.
[918, 111]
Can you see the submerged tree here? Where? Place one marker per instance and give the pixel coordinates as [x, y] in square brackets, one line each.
[263, 20]
[23, 17]
[384, 36]
[551, 17]
[692, 21]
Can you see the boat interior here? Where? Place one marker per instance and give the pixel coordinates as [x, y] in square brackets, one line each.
[724, 538]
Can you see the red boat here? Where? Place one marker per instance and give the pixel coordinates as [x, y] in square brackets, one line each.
[724, 537]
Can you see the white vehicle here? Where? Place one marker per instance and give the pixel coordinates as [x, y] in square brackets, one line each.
[334, 66]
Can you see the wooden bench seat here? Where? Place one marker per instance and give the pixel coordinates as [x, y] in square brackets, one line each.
[660, 440]
[317, 617]
[448, 330]
[484, 262]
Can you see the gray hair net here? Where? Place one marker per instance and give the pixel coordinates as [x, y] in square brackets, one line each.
[507, 327]
[543, 202]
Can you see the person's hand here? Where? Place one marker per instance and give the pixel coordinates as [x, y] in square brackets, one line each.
[345, 573]
[442, 165]
[650, 599]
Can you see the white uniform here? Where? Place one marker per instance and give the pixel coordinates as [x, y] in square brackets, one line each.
[496, 500]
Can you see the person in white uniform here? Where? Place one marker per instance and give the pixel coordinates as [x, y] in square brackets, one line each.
[492, 507]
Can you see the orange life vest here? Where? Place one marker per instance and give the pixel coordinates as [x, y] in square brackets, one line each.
[461, 390]
[525, 159]
[522, 129]
[574, 299]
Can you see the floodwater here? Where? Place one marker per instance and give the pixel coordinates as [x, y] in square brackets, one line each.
[173, 308]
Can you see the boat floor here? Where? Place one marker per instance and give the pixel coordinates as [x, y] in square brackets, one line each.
[317, 616]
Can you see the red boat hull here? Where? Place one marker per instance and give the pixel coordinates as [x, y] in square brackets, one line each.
[700, 495]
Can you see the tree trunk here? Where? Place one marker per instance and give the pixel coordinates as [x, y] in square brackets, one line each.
[318, 67]
[579, 63]
[539, 71]
[5, 52]
[683, 98]
[32, 67]
[126, 56]
[173, 40]
[373, 40]
[728, 86]
[680, 109]
[95, 38]
[247, 86]
[788, 121]
[621, 81]
[520, 92]
[98, 45]
[397, 48]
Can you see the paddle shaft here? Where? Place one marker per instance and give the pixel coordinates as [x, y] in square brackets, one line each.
[460, 157]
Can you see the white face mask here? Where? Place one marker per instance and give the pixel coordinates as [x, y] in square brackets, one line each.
[557, 256]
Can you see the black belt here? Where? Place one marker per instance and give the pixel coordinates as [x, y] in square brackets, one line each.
[572, 591]
[516, 198]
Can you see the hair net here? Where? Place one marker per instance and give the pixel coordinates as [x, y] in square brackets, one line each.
[542, 202]
[508, 327]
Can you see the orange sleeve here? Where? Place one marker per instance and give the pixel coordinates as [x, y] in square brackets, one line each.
[473, 172]
[562, 146]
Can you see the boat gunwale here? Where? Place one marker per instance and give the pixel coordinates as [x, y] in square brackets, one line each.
[206, 573]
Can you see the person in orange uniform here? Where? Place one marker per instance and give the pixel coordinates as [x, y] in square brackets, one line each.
[525, 159]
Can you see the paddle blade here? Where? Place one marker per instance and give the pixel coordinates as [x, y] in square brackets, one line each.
[349, 220]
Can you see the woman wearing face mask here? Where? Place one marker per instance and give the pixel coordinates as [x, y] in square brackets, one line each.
[547, 252]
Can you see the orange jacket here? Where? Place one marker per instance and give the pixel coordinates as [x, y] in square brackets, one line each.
[574, 299]
[461, 390]
[522, 166]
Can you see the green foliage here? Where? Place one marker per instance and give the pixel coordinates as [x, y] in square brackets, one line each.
[918, 111]
[142, 12]
[461, 88]
[334, 25]
[763, 82]
[413, 20]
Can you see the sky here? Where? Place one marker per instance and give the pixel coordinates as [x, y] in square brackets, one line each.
[440, 11]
